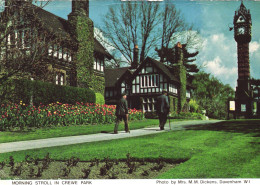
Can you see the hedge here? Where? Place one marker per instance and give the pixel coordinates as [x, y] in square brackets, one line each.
[100, 99]
[45, 93]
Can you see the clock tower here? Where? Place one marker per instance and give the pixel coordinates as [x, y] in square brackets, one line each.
[242, 34]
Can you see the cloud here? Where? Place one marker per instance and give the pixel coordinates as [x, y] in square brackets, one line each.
[217, 68]
[253, 47]
[219, 58]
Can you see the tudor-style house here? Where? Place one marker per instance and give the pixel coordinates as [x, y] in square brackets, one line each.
[57, 42]
[145, 82]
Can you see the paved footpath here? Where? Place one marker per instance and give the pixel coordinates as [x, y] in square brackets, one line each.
[59, 141]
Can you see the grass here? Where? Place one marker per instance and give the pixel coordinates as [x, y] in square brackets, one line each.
[49, 132]
[227, 149]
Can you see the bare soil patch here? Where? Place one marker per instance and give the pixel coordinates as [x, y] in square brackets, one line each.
[73, 168]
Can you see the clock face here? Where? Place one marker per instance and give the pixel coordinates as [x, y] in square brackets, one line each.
[241, 30]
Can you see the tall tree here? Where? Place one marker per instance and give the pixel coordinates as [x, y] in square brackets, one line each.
[146, 24]
[26, 45]
[168, 56]
[212, 95]
[23, 48]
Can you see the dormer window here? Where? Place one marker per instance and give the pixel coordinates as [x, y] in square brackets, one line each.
[98, 64]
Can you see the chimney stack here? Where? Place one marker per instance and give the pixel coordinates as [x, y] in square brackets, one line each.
[179, 53]
[80, 6]
[135, 57]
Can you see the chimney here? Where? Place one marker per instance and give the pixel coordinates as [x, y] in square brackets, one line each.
[80, 6]
[178, 53]
[135, 62]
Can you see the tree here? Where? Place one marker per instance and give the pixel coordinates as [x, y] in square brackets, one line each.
[146, 24]
[168, 56]
[212, 95]
[23, 48]
[25, 44]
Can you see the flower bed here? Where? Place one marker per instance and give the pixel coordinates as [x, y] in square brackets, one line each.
[58, 114]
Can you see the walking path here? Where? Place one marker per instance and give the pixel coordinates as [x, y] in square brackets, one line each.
[59, 141]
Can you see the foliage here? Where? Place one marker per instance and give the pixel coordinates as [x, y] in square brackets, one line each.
[108, 169]
[183, 87]
[173, 104]
[24, 40]
[71, 130]
[150, 115]
[194, 107]
[38, 92]
[175, 115]
[82, 29]
[57, 114]
[187, 115]
[100, 99]
[212, 95]
[170, 56]
[227, 149]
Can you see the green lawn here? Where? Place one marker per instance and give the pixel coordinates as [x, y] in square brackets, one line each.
[227, 149]
[42, 133]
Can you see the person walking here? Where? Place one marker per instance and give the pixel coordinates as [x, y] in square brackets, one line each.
[122, 113]
[162, 108]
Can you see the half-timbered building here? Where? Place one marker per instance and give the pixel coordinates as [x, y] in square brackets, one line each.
[58, 40]
[147, 81]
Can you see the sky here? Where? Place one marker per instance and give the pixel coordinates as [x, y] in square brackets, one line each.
[212, 18]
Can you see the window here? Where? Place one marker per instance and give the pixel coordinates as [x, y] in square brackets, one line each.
[50, 51]
[172, 88]
[26, 38]
[149, 81]
[60, 53]
[95, 64]
[12, 39]
[60, 79]
[188, 93]
[20, 39]
[98, 64]
[149, 104]
[65, 55]
[69, 57]
[55, 51]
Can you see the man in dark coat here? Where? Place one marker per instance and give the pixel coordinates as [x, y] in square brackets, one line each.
[122, 113]
[162, 108]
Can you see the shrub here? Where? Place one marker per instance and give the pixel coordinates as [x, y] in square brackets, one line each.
[151, 115]
[188, 115]
[45, 93]
[194, 107]
[100, 99]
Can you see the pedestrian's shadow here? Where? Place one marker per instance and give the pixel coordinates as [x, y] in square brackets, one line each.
[106, 132]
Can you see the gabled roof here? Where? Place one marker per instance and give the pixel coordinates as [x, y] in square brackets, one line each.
[52, 22]
[113, 75]
[166, 70]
